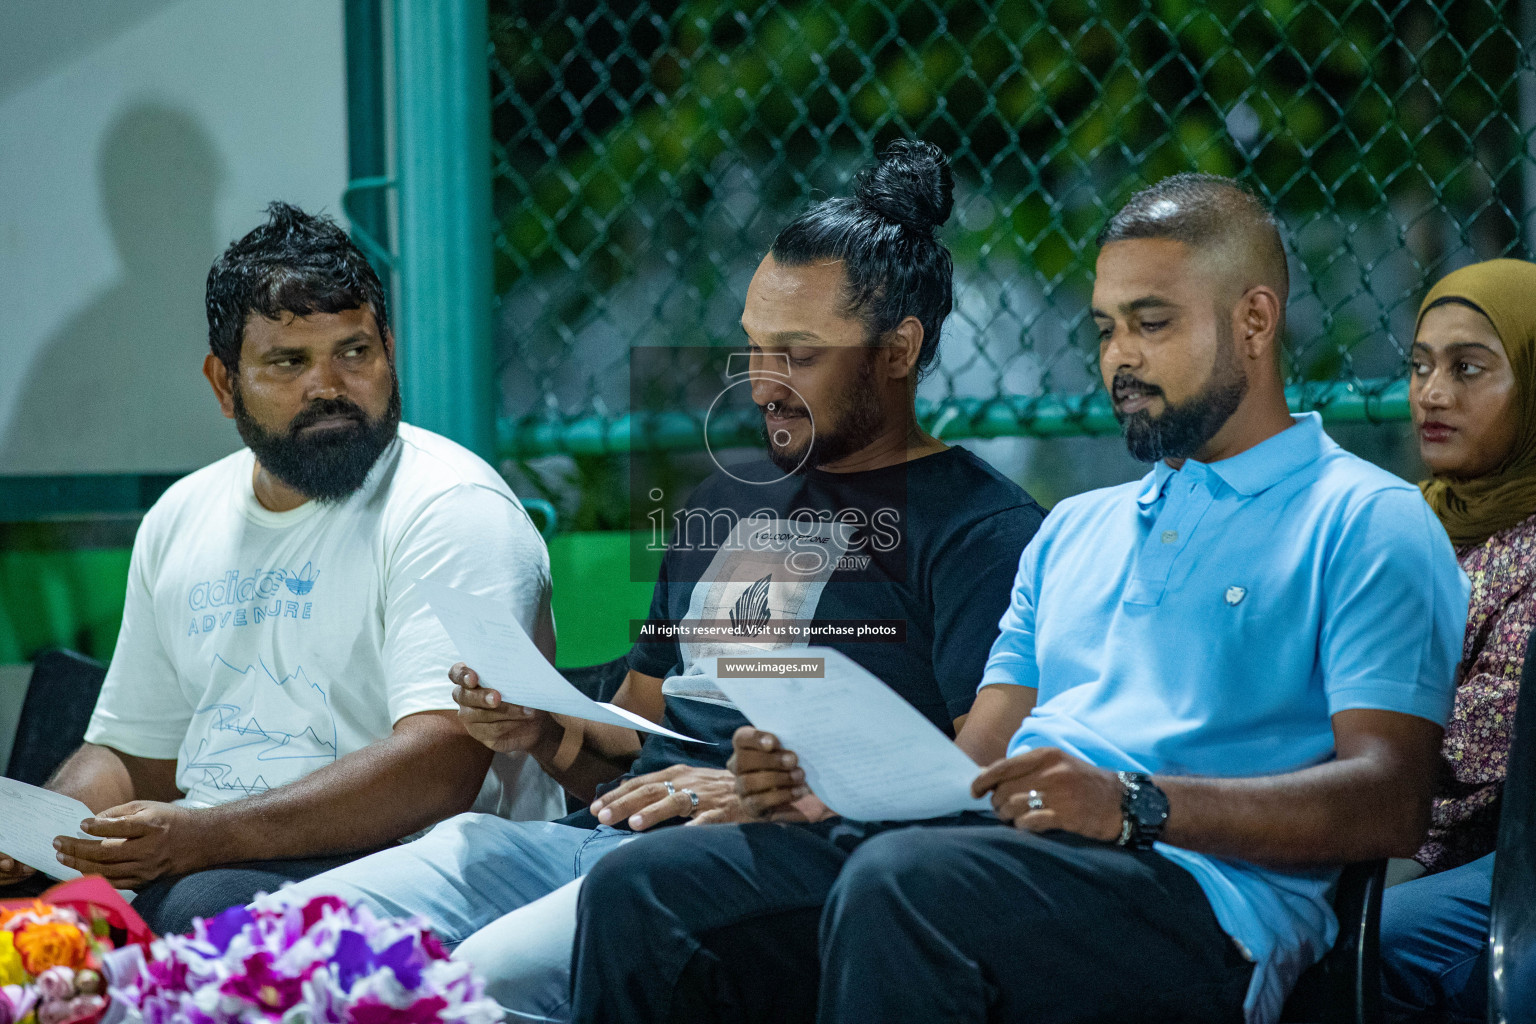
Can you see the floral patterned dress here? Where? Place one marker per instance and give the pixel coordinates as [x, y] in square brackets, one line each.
[1475, 755]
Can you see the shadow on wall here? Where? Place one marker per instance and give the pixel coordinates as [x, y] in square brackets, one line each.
[119, 388]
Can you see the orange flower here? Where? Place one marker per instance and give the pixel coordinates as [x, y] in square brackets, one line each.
[38, 909]
[51, 944]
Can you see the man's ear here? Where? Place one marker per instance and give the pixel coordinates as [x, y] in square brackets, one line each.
[1256, 323]
[905, 344]
[223, 387]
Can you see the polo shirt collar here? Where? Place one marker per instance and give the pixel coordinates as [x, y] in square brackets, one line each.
[1260, 467]
[1156, 483]
[1266, 464]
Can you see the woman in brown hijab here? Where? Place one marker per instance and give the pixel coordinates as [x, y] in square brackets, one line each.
[1473, 395]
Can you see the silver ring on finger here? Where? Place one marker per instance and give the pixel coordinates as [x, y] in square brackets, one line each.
[1035, 800]
[671, 789]
[693, 802]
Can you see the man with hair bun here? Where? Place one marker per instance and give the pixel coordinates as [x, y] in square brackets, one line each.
[276, 703]
[842, 317]
[1232, 673]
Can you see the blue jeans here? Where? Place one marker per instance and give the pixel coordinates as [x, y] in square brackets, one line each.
[501, 893]
[1434, 946]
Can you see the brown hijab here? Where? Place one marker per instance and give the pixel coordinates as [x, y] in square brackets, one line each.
[1473, 510]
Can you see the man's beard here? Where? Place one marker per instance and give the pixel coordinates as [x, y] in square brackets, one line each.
[1182, 429]
[328, 466]
[858, 424]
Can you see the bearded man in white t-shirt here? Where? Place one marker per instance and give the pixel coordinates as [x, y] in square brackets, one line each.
[278, 702]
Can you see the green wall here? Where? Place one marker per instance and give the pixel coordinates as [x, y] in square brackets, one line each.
[595, 596]
[75, 599]
[61, 599]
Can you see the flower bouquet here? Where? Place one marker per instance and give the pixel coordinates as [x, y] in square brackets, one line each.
[51, 950]
[319, 963]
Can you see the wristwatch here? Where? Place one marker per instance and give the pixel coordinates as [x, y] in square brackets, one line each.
[1143, 811]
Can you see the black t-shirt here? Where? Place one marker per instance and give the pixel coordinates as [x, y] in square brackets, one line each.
[929, 547]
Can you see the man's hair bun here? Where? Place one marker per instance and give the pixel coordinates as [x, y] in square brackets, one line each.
[911, 186]
[884, 236]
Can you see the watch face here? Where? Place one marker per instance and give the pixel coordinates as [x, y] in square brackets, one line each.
[1149, 806]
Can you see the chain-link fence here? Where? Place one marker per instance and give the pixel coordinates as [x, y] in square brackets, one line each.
[647, 152]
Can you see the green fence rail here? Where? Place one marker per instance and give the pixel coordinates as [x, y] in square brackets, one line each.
[645, 153]
[1376, 401]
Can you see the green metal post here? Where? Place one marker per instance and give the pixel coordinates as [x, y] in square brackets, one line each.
[1381, 400]
[443, 165]
[366, 201]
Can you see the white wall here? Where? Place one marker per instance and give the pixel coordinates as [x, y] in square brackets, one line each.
[134, 145]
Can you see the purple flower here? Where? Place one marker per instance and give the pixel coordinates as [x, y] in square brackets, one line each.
[354, 958]
[169, 973]
[262, 986]
[315, 909]
[322, 961]
[434, 949]
[221, 931]
[16, 1001]
[373, 1011]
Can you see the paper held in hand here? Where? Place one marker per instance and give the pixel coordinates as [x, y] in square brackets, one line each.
[491, 642]
[867, 753]
[30, 818]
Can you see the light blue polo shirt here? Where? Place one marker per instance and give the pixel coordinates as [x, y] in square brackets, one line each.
[1210, 620]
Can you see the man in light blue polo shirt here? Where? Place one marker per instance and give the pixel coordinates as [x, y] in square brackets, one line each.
[1231, 678]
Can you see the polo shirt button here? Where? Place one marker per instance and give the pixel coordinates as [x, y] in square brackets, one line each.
[1169, 536]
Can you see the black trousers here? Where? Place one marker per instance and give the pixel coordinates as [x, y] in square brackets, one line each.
[959, 919]
[168, 905]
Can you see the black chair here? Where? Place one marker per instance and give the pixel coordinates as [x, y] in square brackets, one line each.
[60, 697]
[1512, 912]
[1344, 987]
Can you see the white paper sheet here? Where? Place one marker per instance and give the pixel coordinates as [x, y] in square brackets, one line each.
[491, 642]
[867, 753]
[30, 818]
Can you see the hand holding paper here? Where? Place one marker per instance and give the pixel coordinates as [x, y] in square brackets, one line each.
[866, 752]
[490, 640]
[30, 818]
[770, 784]
[504, 727]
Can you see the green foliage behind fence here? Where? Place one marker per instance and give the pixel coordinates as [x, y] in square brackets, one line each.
[646, 152]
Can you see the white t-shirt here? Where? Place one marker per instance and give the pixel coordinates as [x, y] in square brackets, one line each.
[258, 646]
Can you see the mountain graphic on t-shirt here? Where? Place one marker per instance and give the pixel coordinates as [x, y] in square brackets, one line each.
[750, 613]
[257, 730]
